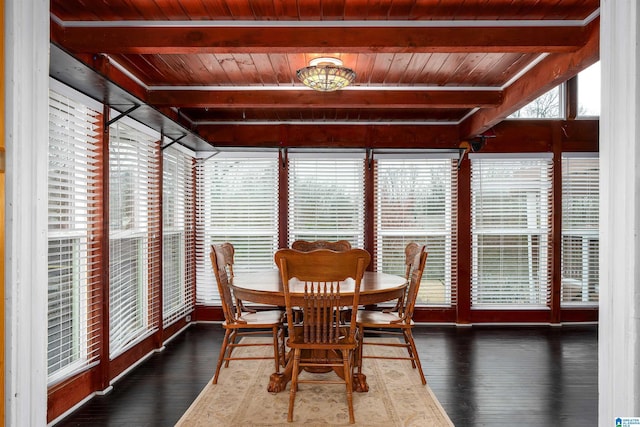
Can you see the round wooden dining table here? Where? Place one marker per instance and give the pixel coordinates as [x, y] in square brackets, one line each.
[265, 287]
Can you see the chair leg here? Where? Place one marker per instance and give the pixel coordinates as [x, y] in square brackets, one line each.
[231, 346]
[221, 357]
[360, 350]
[276, 347]
[407, 340]
[414, 354]
[348, 378]
[294, 383]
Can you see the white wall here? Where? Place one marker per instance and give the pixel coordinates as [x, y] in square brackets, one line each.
[619, 343]
[26, 80]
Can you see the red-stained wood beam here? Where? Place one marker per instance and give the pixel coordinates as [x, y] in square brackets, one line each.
[511, 135]
[306, 98]
[336, 136]
[153, 39]
[550, 72]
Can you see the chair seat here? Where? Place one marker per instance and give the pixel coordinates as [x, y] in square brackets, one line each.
[380, 319]
[268, 317]
[343, 341]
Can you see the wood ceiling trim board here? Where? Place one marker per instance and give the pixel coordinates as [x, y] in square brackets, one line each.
[229, 65]
[484, 70]
[397, 69]
[153, 40]
[248, 69]
[261, 8]
[187, 68]
[310, 10]
[149, 69]
[432, 68]
[381, 66]
[189, 10]
[415, 68]
[509, 66]
[307, 98]
[401, 9]
[364, 64]
[286, 10]
[468, 64]
[147, 10]
[334, 9]
[268, 75]
[171, 9]
[356, 9]
[446, 71]
[535, 82]
[215, 73]
[240, 9]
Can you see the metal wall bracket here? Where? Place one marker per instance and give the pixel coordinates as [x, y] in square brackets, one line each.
[121, 115]
[173, 141]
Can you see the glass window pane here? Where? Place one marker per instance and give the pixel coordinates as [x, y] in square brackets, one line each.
[589, 91]
[549, 105]
[238, 204]
[178, 258]
[326, 200]
[134, 212]
[415, 201]
[580, 230]
[73, 269]
[511, 226]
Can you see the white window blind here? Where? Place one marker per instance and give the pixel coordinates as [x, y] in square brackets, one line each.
[74, 218]
[237, 203]
[134, 220]
[415, 201]
[580, 229]
[178, 234]
[326, 198]
[511, 224]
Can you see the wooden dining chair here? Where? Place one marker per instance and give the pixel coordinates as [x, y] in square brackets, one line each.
[229, 252]
[312, 245]
[399, 320]
[306, 245]
[320, 339]
[238, 323]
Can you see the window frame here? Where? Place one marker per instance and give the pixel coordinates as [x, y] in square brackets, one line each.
[326, 166]
[73, 181]
[137, 149]
[254, 248]
[580, 227]
[423, 231]
[177, 216]
[537, 224]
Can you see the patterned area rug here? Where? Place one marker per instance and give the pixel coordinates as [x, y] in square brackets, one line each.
[396, 397]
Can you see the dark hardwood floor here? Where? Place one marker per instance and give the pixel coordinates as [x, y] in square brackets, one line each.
[482, 375]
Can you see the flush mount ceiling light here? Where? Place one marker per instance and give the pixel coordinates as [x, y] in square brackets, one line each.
[326, 75]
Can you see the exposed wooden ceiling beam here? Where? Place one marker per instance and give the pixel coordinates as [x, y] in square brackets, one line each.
[234, 39]
[550, 72]
[371, 136]
[306, 98]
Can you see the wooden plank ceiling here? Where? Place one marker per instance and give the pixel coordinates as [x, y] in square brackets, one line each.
[429, 72]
